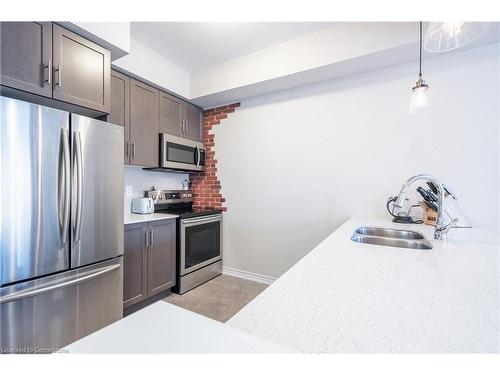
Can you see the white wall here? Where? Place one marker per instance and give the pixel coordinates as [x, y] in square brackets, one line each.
[117, 33]
[112, 35]
[141, 180]
[147, 64]
[313, 50]
[344, 49]
[294, 165]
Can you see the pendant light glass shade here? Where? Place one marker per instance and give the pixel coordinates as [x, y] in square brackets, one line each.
[419, 95]
[419, 92]
[445, 36]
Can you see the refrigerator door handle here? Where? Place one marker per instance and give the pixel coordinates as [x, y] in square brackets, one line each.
[65, 185]
[49, 288]
[79, 186]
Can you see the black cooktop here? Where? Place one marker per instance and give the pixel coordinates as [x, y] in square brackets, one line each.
[185, 213]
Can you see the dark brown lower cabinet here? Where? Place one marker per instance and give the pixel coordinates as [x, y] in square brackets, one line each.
[135, 264]
[148, 260]
[161, 257]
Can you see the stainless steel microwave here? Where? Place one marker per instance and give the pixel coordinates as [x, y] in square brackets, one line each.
[180, 153]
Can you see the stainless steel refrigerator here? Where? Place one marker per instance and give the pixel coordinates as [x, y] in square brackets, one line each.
[61, 226]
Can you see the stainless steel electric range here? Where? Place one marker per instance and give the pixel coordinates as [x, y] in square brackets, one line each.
[199, 237]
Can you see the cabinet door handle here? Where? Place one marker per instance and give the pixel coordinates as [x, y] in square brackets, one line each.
[59, 78]
[182, 127]
[133, 150]
[48, 66]
[126, 149]
[146, 238]
[151, 238]
[187, 126]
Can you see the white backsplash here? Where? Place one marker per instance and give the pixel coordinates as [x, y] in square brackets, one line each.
[139, 180]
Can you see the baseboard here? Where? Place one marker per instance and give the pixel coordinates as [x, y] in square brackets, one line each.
[248, 275]
[148, 301]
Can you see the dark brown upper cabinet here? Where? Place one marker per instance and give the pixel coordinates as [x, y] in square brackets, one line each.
[82, 70]
[145, 112]
[26, 56]
[45, 59]
[149, 260]
[120, 106]
[143, 124]
[170, 115]
[179, 118]
[192, 122]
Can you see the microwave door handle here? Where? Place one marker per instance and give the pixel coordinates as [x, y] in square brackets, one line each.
[164, 150]
[197, 156]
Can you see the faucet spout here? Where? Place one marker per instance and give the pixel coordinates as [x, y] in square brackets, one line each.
[440, 233]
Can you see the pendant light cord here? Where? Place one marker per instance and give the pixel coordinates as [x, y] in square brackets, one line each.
[420, 53]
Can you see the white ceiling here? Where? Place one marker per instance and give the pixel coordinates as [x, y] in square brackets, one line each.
[196, 45]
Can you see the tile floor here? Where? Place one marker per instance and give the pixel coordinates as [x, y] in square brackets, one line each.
[219, 298]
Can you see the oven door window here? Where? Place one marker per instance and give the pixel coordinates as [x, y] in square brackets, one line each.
[181, 154]
[202, 243]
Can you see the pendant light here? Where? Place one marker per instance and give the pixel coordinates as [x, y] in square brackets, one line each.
[445, 36]
[419, 91]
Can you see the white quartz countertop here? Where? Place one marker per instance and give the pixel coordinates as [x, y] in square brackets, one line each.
[131, 218]
[349, 297]
[165, 328]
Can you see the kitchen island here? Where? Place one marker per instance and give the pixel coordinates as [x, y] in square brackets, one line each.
[350, 297]
[166, 328]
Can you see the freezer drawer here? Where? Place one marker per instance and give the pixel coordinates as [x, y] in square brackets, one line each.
[46, 314]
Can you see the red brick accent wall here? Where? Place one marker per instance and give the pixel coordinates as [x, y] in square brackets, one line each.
[206, 185]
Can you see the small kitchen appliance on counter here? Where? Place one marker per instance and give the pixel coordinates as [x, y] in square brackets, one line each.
[143, 206]
[199, 237]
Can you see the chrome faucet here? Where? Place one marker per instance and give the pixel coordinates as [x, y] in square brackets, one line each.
[441, 227]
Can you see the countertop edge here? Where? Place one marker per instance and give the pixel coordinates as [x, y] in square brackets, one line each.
[144, 218]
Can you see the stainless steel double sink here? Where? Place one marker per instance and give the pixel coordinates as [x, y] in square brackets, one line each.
[407, 239]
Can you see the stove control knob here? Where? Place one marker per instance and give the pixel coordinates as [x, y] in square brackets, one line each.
[190, 195]
[184, 195]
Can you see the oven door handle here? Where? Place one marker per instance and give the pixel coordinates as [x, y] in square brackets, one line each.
[205, 219]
